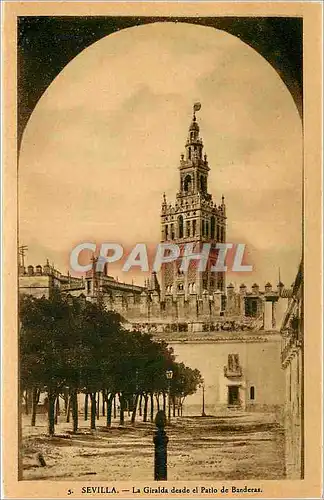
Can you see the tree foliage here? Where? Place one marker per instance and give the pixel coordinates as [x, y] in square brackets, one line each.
[70, 346]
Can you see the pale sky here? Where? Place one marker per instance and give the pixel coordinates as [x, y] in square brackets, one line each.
[105, 139]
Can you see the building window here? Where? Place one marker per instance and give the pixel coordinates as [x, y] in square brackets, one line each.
[180, 226]
[187, 183]
[172, 231]
[194, 223]
[166, 231]
[202, 184]
[189, 153]
[251, 307]
[252, 392]
[188, 228]
[212, 227]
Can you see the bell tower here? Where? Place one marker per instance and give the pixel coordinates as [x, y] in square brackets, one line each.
[193, 218]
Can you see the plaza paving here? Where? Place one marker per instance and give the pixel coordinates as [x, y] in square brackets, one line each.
[231, 446]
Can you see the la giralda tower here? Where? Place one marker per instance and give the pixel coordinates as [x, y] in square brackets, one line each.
[193, 218]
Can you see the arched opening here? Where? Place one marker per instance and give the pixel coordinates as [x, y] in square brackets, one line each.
[187, 185]
[252, 392]
[180, 226]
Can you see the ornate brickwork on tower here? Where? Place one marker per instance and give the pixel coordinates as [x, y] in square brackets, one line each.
[193, 218]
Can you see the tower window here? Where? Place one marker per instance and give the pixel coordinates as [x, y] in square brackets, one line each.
[187, 184]
[207, 228]
[188, 228]
[194, 223]
[166, 231]
[189, 153]
[252, 392]
[180, 226]
[218, 233]
[203, 228]
[172, 231]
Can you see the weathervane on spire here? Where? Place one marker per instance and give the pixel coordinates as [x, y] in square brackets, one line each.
[196, 107]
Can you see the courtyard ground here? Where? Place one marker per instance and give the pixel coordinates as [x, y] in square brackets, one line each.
[231, 446]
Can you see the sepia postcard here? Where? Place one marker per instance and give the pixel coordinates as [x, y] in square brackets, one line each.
[162, 239]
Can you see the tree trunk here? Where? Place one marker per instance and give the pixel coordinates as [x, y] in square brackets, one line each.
[152, 407]
[145, 408]
[157, 397]
[174, 405]
[57, 408]
[51, 413]
[110, 400]
[66, 399]
[75, 412]
[134, 409]
[93, 410]
[114, 403]
[104, 399]
[98, 405]
[122, 409]
[140, 405]
[164, 401]
[35, 399]
[86, 406]
[68, 409]
[26, 397]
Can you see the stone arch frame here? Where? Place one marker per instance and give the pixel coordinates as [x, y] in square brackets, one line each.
[44, 48]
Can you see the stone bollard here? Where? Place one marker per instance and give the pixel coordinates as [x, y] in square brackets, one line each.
[160, 440]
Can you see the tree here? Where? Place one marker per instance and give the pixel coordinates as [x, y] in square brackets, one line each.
[185, 381]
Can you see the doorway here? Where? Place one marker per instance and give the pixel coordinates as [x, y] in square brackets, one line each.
[233, 395]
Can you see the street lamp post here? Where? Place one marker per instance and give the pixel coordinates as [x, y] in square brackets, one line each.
[203, 414]
[169, 375]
